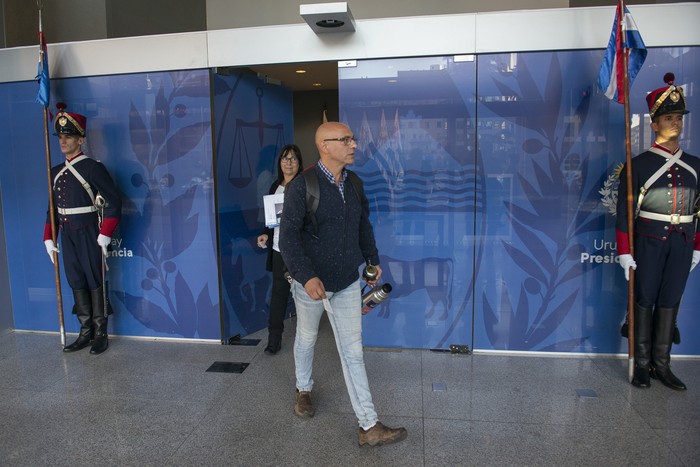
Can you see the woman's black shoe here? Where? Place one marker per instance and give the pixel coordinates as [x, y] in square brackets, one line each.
[274, 344]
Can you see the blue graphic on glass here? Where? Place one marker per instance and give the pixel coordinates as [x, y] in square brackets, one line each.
[253, 122]
[492, 210]
[413, 119]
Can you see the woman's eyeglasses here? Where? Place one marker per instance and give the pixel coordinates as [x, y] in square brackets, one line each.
[290, 160]
[346, 140]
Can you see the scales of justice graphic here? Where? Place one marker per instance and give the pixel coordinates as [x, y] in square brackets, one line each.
[240, 172]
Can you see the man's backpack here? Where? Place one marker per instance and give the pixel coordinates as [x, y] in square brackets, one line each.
[313, 193]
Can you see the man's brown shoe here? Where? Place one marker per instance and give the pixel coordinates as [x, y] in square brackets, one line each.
[303, 407]
[379, 435]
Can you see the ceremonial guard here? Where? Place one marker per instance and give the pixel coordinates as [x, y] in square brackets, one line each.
[87, 210]
[666, 241]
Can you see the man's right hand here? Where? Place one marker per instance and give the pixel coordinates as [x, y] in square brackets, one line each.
[50, 248]
[314, 289]
[627, 262]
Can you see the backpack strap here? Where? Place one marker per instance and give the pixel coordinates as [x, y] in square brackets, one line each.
[313, 193]
[312, 196]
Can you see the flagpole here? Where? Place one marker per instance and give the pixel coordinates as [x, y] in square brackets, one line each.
[52, 215]
[630, 211]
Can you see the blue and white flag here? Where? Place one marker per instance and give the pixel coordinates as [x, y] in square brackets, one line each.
[611, 74]
[44, 95]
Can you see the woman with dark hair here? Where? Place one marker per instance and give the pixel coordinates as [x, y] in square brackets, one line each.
[289, 165]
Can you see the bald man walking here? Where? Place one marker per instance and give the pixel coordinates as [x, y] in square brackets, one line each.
[323, 258]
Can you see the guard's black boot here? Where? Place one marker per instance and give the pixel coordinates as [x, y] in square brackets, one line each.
[676, 335]
[99, 318]
[676, 332]
[664, 324]
[642, 346]
[83, 310]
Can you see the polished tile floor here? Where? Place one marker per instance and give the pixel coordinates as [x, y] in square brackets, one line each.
[153, 403]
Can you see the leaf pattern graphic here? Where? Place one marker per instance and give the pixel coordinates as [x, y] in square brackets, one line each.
[520, 323]
[182, 238]
[532, 146]
[524, 261]
[160, 118]
[490, 322]
[156, 146]
[555, 209]
[186, 316]
[536, 245]
[573, 272]
[139, 135]
[182, 142]
[207, 315]
[147, 313]
[588, 205]
[553, 320]
[524, 216]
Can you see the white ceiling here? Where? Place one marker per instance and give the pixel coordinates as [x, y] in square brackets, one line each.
[325, 73]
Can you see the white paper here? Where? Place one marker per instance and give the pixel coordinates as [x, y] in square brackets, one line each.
[273, 209]
[327, 305]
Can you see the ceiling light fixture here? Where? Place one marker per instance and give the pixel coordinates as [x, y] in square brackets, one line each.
[300, 71]
[328, 17]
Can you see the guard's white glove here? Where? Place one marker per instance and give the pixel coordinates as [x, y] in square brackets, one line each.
[50, 248]
[104, 242]
[627, 262]
[696, 259]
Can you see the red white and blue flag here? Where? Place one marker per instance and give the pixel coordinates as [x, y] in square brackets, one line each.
[611, 74]
[44, 95]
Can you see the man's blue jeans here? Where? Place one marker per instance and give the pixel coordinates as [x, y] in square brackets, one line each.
[346, 321]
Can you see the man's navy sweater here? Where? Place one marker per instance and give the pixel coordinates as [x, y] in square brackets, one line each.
[344, 240]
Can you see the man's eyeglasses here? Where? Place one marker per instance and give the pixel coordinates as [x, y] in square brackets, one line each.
[346, 140]
[290, 160]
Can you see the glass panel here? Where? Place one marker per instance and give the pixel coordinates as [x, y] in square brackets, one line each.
[550, 143]
[253, 121]
[152, 132]
[531, 214]
[414, 120]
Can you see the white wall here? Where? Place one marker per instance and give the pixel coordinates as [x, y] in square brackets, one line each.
[551, 29]
[227, 14]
